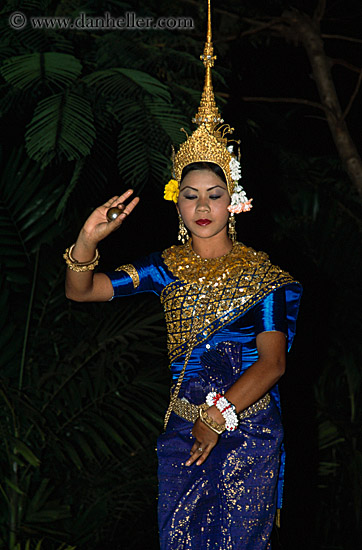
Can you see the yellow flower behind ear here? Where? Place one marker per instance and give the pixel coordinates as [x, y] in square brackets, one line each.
[171, 191]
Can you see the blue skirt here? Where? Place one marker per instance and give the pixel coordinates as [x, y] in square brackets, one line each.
[229, 502]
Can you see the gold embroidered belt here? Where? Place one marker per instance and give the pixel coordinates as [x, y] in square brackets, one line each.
[190, 412]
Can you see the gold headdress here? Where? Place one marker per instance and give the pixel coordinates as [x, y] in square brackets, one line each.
[208, 143]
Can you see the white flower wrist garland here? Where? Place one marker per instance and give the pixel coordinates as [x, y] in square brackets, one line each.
[226, 408]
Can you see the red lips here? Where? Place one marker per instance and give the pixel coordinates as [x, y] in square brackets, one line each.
[203, 222]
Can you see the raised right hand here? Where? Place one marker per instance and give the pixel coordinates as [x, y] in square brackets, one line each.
[97, 227]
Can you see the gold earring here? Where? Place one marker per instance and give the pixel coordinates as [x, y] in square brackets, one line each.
[183, 235]
[231, 229]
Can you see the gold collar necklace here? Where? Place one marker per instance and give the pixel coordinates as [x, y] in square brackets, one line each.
[188, 266]
[192, 252]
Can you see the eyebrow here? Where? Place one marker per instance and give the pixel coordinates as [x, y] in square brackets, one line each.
[209, 189]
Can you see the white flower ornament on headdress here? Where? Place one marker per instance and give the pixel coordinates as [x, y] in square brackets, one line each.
[235, 168]
[239, 200]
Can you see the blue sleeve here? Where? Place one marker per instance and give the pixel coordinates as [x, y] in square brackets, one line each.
[145, 275]
[279, 311]
[270, 313]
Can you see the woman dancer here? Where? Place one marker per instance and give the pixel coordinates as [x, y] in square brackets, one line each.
[230, 317]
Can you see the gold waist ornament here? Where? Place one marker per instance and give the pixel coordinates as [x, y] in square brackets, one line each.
[190, 412]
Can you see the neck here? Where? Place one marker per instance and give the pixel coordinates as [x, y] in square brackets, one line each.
[213, 247]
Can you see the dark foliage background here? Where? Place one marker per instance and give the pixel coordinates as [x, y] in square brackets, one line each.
[86, 114]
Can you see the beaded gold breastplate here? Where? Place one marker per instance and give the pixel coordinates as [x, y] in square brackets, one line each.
[215, 291]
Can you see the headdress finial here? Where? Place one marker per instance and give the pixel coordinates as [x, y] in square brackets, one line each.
[208, 112]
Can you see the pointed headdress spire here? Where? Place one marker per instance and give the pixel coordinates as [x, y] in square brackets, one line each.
[208, 112]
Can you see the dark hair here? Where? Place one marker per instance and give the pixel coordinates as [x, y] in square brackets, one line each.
[210, 166]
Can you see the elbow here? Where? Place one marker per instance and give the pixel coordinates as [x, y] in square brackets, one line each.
[274, 370]
[71, 296]
[74, 296]
[68, 292]
[279, 368]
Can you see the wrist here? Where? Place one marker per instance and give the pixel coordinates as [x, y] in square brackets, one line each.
[75, 264]
[216, 415]
[84, 248]
[226, 409]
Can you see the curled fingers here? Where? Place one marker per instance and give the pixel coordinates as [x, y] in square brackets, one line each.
[118, 211]
[199, 452]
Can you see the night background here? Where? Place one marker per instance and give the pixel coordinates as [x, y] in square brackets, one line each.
[86, 114]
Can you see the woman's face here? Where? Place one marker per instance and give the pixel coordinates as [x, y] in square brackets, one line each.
[203, 202]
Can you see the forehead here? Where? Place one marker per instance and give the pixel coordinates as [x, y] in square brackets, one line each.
[202, 178]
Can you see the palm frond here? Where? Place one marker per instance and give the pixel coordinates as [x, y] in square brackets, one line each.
[329, 435]
[166, 117]
[10, 98]
[9, 343]
[42, 507]
[62, 125]
[35, 544]
[50, 68]
[120, 82]
[166, 59]
[148, 127]
[75, 178]
[26, 213]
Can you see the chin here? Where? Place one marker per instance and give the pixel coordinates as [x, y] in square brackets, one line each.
[208, 234]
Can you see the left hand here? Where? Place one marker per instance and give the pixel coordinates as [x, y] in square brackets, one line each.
[205, 441]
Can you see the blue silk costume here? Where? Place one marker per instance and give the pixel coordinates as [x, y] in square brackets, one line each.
[230, 501]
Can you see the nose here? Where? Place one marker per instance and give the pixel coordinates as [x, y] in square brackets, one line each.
[203, 204]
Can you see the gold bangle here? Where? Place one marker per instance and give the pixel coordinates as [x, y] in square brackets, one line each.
[74, 265]
[210, 422]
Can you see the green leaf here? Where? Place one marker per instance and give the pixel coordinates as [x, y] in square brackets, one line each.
[73, 454]
[62, 125]
[75, 177]
[122, 82]
[26, 213]
[14, 487]
[28, 71]
[25, 452]
[98, 440]
[9, 344]
[42, 508]
[328, 435]
[105, 426]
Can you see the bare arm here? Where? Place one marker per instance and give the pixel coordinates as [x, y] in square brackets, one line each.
[250, 387]
[263, 374]
[86, 286]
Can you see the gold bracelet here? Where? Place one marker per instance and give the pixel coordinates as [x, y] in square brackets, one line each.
[210, 422]
[74, 265]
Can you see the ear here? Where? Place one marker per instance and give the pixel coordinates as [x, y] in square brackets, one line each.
[178, 210]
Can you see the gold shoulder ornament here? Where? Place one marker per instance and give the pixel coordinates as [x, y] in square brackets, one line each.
[132, 272]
